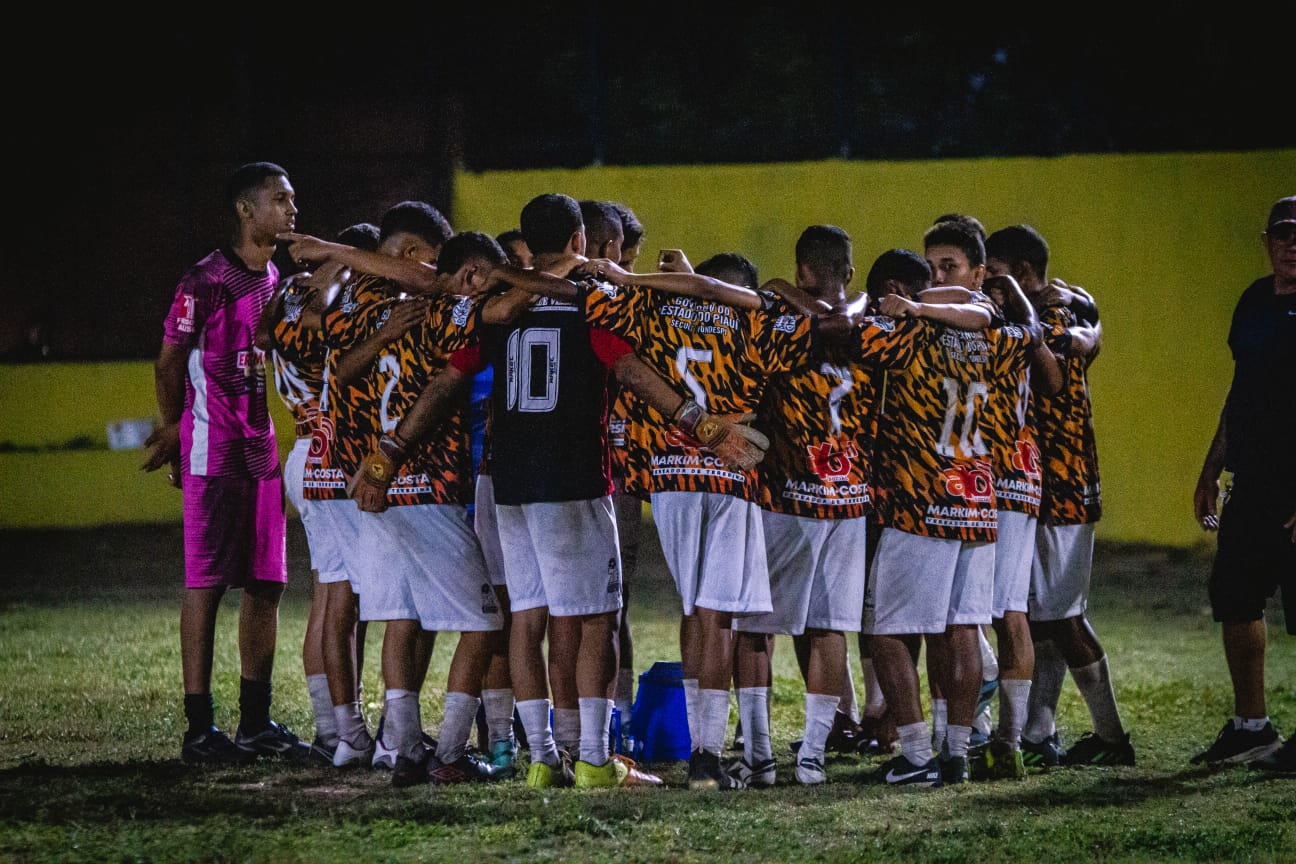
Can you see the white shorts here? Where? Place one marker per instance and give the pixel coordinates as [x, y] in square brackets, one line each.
[422, 562]
[486, 524]
[332, 531]
[561, 554]
[1061, 570]
[715, 547]
[924, 584]
[816, 573]
[1014, 554]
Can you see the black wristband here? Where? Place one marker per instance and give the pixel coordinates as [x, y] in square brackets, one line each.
[1086, 311]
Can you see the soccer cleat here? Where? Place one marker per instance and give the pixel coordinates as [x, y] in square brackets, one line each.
[617, 771]
[953, 770]
[758, 776]
[1042, 754]
[359, 753]
[844, 737]
[1092, 750]
[322, 752]
[468, 768]
[212, 747]
[274, 740]
[810, 772]
[999, 760]
[503, 758]
[1280, 761]
[384, 757]
[901, 772]
[542, 775]
[411, 771]
[1234, 745]
[706, 775]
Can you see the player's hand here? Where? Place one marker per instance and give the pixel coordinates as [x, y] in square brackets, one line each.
[738, 445]
[369, 485]
[404, 316]
[895, 306]
[305, 249]
[673, 261]
[1204, 500]
[162, 447]
[605, 269]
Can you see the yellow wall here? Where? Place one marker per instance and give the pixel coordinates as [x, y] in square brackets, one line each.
[1167, 242]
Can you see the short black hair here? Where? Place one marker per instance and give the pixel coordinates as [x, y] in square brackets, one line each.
[970, 221]
[903, 265]
[632, 230]
[362, 235]
[826, 250]
[730, 267]
[247, 177]
[602, 223]
[548, 222]
[958, 233]
[418, 218]
[1020, 243]
[466, 245]
[509, 236]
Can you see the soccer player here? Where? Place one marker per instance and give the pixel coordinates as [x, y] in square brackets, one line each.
[814, 492]
[706, 512]
[292, 327]
[933, 570]
[1070, 507]
[1257, 531]
[218, 439]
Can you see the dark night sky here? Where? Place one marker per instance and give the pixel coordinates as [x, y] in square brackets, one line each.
[123, 137]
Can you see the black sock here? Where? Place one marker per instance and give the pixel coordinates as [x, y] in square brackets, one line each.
[200, 711]
[254, 706]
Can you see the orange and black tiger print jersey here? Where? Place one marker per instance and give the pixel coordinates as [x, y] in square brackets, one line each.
[438, 469]
[1010, 429]
[335, 453]
[820, 422]
[1064, 428]
[717, 355]
[934, 470]
[297, 353]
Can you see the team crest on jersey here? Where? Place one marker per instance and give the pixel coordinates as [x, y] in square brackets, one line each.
[883, 323]
[786, 323]
[832, 466]
[294, 305]
[609, 289]
[462, 310]
[974, 483]
[348, 304]
[1026, 458]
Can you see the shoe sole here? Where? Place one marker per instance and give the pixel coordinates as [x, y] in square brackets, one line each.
[1245, 756]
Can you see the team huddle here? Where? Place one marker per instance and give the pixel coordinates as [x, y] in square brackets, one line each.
[912, 463]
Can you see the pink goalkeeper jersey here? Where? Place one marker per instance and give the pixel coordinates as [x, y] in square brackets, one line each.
[226, 427]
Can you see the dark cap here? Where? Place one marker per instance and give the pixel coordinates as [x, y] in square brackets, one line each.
[1284, 211]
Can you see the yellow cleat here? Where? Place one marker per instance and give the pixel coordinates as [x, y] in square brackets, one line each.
[617, 771]
[542, 775]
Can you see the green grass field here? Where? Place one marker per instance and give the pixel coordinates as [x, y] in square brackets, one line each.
[91, 719]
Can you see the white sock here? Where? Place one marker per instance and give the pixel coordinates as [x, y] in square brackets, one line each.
[1094, 683]
[692, 709]
[535, 720]
[322, 704]
[956, 739]
[1046, 689]
[499, 714]
[1250, 725]
[820, 710]
[989, 662]
[713, 719]
[402, 726]
[940, 720]
[753, 710]
[915, 742]
[848, 704]
[1014, 705]
[567, 729]
[595, 716]
[460, 716]
[624, 694]
[351, 726]
[874, 701]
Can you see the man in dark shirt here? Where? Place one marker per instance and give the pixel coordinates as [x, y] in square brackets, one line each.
[1257, 530]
